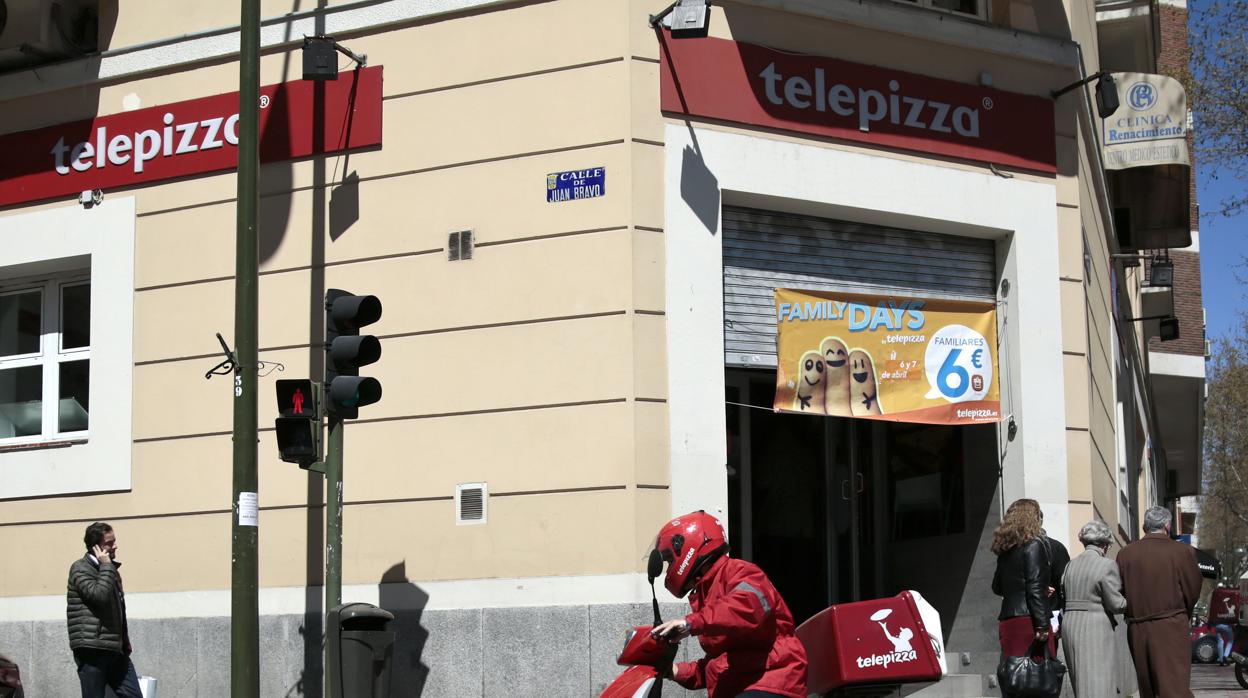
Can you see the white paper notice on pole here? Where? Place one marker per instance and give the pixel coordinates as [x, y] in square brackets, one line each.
[248, 509]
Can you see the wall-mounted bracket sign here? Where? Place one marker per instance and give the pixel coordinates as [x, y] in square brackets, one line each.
[577, 184]
[1150, 126]
[754, 85]
[194, 137]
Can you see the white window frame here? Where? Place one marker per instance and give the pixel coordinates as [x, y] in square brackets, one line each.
[981, 8]
[50, 356]
[67, 244]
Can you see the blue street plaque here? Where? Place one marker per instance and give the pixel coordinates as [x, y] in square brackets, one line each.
[577, 184]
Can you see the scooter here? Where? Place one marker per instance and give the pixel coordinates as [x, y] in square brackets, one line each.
[1239, 651]
[1227, 604]
[851, 649]
[647, 658]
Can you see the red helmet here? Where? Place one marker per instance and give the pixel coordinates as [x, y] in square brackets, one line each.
[689, 544]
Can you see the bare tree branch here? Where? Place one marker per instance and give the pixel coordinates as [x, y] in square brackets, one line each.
[1217, 84]
[1223, 520]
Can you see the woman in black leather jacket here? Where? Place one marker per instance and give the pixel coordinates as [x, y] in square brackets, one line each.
[1022, 579]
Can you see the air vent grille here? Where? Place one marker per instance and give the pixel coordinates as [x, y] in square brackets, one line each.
[459, 245]
[470, 500]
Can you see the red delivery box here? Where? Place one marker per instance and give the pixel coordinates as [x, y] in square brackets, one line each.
[1224, 606]
[881, 641]
[1243, 594]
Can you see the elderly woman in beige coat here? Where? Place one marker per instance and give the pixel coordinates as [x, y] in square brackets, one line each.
[1093, 597]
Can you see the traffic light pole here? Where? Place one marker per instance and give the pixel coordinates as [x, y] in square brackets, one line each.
[333, 515]
[344, 392]
[244, 595]
[333, 538]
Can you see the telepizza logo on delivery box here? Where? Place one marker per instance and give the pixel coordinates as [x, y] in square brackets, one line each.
[903, 651]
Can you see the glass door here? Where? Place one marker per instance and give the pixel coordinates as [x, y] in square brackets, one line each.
[854, 482]
[801, 497]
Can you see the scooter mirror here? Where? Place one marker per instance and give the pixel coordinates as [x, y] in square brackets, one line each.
[654, 567]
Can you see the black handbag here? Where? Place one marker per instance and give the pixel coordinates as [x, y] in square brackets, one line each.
[1032, 676]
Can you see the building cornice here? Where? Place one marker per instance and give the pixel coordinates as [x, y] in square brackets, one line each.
[932, 25]
[131, 62]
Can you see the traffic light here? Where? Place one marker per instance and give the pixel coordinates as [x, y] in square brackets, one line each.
[298, 422]
[346, 350]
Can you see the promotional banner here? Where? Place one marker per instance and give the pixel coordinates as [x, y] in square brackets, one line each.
[1150, 126]
[886, 357]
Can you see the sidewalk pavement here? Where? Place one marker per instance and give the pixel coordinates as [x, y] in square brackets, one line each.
[1213, 681]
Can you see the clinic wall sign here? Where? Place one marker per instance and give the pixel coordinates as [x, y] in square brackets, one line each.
[1150, 126]
[576, 184]
[194, 137]
[886, 357]
[748, 84]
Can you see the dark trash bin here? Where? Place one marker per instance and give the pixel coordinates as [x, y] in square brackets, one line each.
[361, 646]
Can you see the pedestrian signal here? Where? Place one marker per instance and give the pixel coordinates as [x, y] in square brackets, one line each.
[298, 422]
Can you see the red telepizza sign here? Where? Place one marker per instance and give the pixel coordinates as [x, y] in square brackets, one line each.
[749, 84]
[194, 137]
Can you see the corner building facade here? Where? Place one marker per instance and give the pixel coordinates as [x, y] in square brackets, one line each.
[588, 367]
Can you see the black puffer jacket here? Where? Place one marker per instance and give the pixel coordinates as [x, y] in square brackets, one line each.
[1022, 582]
[95, 609]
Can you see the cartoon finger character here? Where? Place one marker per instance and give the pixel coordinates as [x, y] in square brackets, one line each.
[810, 383]
[836, 378]
[864, 390]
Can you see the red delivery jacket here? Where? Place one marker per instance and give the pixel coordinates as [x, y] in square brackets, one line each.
[746, 630]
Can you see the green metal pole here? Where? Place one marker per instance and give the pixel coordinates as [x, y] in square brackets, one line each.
[333, 515]
[333, 540]
[244, 596]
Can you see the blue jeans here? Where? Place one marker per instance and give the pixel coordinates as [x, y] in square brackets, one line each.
[1226, 638]
[100, 668]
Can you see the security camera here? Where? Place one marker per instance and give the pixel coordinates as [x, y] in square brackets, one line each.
[90, 197]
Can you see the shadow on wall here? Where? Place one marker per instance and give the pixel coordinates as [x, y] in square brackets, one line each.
[276, 179]
[407, 602]
[344, 205]
[1048, 18]
[80, 104]
[699, 187]
[962, 591]
[312, 635]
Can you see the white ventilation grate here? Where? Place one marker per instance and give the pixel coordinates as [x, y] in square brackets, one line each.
[459, 245]
[470, 501]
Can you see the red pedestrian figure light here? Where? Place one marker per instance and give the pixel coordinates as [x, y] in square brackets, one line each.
[297, 399]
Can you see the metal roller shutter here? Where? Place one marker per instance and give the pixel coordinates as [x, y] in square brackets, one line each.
[765, 250]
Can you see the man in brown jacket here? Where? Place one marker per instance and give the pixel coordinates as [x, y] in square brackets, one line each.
[1161, 582]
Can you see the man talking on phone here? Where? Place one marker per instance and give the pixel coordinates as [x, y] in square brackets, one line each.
[96, 618]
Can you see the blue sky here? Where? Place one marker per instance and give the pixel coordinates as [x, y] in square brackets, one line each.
[1223, 248]
[1223, 241]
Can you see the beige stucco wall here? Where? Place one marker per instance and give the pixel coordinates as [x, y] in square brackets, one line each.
[1087, 315]
[538, 366]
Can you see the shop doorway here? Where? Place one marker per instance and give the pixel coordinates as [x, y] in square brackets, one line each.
[838, 510]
